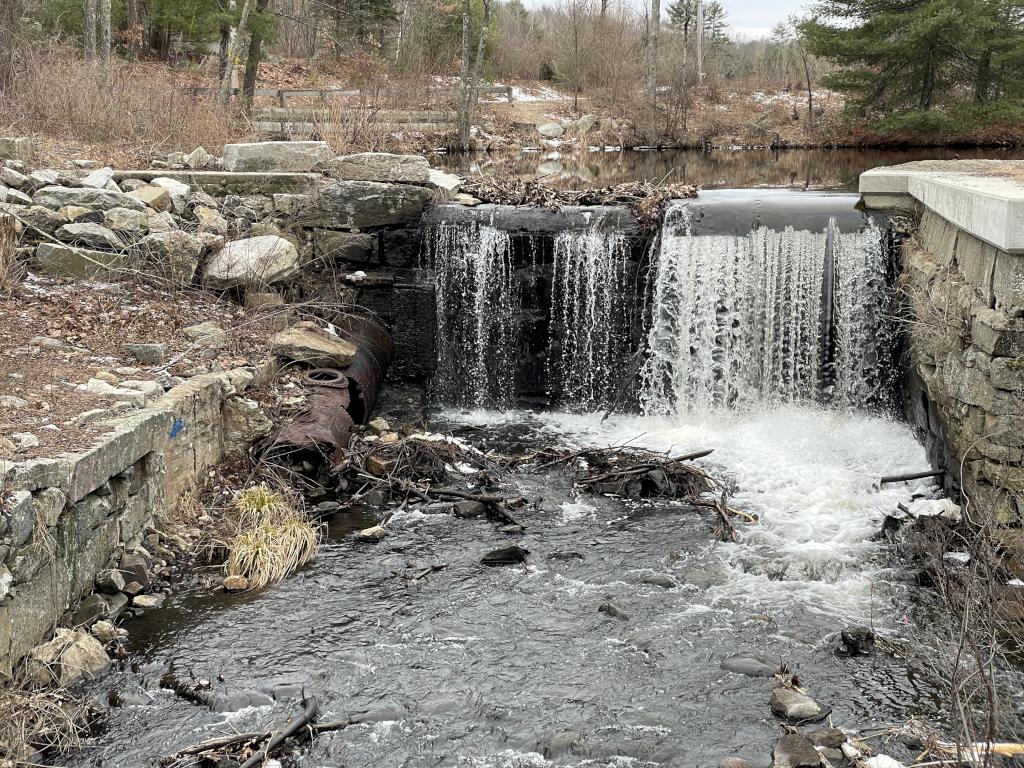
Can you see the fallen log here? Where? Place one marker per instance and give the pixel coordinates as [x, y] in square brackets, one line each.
[911, 476]
[307, 716]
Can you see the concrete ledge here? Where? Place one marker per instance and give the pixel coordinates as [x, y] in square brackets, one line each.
[982, 197]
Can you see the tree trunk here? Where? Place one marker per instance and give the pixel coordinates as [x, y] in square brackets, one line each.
[983, 79]
[252, 62]
[133, 28]
[464, 116]
[10, 23]
[225, 40]
[928, 82]
[652, 69]
[104, 37]
[233, 48]
[90, 29]
[810, 93]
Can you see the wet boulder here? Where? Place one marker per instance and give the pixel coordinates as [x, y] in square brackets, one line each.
[794, 751]
[613, 611]
[856, 641]
[505, 556]
[796, 706]
[831, 738]
[752, 665]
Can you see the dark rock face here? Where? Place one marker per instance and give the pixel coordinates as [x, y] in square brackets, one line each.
[505, 556]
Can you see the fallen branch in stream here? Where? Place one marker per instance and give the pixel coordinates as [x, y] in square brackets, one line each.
[247, 745]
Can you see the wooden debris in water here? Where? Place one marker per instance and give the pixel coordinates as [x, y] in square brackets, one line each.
[645, 199]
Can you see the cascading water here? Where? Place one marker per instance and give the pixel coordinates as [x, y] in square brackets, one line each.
[477, 310]
[590, 319]
[739, 320]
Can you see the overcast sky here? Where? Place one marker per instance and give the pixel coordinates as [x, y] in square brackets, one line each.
[755, 18]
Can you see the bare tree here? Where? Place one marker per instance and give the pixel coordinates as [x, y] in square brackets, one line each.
[234, 46]
[470, 76]
[571, 45]
[104, 38]
[10, 32]
[90, 29]
[252, 62]
[652, 67]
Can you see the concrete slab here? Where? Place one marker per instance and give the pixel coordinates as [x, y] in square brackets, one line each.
[982, 197]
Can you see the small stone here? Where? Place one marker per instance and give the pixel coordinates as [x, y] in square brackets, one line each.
[378, 426]
[108, 377]
[147, 354]
[159, 221]
[125, 220]
[856, 641]
[25, 440]
[827, 737]
[750, 664]
[390, 437]
[135, 568]
[99, 178]
[306, 342]
[12, 403]
[236, 583]
[198, 159]
[208, 334]
[104, 631]
[148, 602]
[373, 534]
[505, 556]
[110, 581]
[794, 751]
[659, 580]
[179, 192]
[793, 705]
[733, 762]
[157, 198]
[133, 588]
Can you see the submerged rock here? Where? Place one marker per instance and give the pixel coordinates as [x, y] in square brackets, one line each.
[856, 641]
[796, 706]
[612, 610]
[833, 738]
[750, 664]
[794, 751]
[373, 534]
[505, 556]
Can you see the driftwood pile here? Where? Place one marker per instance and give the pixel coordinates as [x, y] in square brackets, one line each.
[637, 473]
[645, 199]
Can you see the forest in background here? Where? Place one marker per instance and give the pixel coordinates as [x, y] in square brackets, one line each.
[851, 71]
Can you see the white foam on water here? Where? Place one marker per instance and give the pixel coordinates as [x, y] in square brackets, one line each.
[809, 474]
[578, 510]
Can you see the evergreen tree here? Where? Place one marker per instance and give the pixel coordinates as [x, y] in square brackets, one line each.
[915, 55]
[682, 16]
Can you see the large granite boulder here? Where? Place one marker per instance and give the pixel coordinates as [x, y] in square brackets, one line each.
[362, 204]
[381, 166]
[65, 261]
[71, 656]
[296, 156]
[55, 197]
[254, 261]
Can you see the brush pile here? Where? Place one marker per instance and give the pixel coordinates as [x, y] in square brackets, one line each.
[48, 720]
[646, 200]
[637, 473]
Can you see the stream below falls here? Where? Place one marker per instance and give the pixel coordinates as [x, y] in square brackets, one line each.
[515, 666]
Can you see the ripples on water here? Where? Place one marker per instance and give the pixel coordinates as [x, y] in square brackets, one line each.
[513, 667]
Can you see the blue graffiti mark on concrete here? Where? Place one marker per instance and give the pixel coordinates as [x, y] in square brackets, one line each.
[177, 427]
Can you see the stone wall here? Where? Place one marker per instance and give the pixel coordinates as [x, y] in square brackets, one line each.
[66, 519]
[966, 385]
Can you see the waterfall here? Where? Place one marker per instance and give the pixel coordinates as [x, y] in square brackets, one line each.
[477, 315]
[743, 321]
[590, 319]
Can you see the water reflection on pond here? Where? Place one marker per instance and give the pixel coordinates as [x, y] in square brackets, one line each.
[797, 168]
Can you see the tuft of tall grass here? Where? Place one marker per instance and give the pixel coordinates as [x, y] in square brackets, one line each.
[274, 538]
[11, 270]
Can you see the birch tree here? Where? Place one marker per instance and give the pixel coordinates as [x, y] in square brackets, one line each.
[652, 68]
[470, 75]
[90, 29]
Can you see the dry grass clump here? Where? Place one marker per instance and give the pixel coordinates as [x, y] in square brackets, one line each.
[11, 270]
[39, 720]
[940, 305]
[274, 538]
[137, 108]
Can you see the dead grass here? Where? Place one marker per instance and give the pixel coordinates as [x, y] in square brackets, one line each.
[137, 111]
[11, 270]
[49, 720]
[273, 538]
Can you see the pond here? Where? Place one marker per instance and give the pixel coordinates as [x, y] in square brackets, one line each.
[713, 169]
